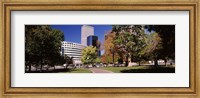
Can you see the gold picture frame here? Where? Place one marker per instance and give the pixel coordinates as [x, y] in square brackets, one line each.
[86, 5]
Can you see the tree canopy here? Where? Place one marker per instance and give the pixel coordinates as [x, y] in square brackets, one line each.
[89, 55]
[109, 48]
[167, 42]
[42, 45]
[143, 42]
[129, 41]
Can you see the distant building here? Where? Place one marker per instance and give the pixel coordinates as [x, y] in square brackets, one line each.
[93, 41]
[85, 32]
[72, 49]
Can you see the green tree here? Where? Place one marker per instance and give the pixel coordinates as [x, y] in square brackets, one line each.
[68, 60]
[89, 55]
[54, 44]
[129, 41]
[167, 35]
[42, 45]
[152, 49]
[98, 60]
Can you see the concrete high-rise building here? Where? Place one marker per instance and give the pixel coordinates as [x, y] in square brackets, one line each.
[85, 32]
[72, 49]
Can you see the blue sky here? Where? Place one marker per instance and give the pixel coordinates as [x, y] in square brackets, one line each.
[72, 33]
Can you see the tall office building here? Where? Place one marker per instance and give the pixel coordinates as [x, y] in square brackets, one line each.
[93, 41]
[85, 32]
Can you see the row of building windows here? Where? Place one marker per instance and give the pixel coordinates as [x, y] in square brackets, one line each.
[70, 44]
[73, 46]
[72, 50]
[74, 55]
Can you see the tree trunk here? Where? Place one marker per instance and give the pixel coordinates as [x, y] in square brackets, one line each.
[165, 62]
[139, 63]
[41, 66]
[29, 68]
[113, 58]
[156, 62]
[126, 63]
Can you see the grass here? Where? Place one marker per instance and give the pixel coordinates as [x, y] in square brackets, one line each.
[119, 69]
[141, 69]
[75, 70]
[79, 70]
[134, 69]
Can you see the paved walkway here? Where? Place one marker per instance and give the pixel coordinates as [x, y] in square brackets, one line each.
[97, 70]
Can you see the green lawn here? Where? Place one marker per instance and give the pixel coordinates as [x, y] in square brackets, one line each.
[141, 69]
[119, 69]
[79, 70]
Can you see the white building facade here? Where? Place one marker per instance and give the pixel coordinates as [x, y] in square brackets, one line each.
[85, 32]
[72, 49]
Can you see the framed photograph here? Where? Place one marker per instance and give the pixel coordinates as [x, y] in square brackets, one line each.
[82, 48]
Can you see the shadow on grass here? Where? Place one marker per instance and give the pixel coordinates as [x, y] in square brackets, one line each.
[51, 71]
[151, 70]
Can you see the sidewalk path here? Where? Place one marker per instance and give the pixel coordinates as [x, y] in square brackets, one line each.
[97, 70]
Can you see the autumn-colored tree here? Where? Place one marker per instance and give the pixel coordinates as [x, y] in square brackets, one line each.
[109, 54]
